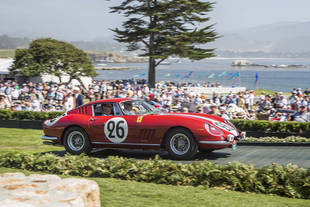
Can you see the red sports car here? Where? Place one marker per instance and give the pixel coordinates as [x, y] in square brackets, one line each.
[135, 124]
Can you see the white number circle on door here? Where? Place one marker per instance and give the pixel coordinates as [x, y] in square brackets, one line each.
[116, 130]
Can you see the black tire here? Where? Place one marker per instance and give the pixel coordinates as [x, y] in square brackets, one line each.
[188, 146]
[76, 141]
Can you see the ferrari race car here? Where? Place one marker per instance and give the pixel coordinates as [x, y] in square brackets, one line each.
[135, 124]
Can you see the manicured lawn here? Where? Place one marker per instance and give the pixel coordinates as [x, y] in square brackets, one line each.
[115, 192]
[23, 140]
[259, 92]
[10, 53]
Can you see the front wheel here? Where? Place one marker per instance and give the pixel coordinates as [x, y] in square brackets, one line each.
[181, 144]
[76, 141]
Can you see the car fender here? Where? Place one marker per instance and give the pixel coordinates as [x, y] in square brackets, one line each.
[78, 120]
[168, 122]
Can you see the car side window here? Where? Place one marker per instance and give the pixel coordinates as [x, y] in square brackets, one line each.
[97, 109]
[106, 109]
[103, 109]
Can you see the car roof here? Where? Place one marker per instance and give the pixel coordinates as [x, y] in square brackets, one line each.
[116, 100]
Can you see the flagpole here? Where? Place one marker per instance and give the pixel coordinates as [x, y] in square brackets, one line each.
[239, 78]
[256, 80]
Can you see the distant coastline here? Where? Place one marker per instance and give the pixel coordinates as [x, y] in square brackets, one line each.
[112, 68]
[277, 79]
[247, 63]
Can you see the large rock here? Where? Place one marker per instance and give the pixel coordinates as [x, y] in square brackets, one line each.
[35, 190]
[87, 189]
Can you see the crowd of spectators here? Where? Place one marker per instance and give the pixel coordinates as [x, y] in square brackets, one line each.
[39, 97]
[170, 97]
[280, 107]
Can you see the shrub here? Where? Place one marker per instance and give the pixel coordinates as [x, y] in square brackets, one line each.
[6, 114]
[289, 181]
[295, 139]
[28, 115]
[267, 126]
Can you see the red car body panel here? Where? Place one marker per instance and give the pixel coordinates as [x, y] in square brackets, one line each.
[144, 131]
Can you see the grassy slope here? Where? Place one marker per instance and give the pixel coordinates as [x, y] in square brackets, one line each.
[118, 192]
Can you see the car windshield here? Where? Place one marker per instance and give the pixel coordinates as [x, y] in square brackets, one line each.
[137, 107]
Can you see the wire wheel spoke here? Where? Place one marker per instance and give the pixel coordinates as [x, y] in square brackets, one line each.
[180, 144]
[76, 140]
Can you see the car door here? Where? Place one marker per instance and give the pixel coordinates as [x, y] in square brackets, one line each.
[141, 128]
[110, 129]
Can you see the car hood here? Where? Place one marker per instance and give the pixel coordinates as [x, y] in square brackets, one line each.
[200, 116]
[206, 118]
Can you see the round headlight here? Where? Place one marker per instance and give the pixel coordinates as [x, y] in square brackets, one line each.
[213, 130]
[51, 122]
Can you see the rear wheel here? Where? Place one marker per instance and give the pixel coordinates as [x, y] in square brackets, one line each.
[181, 144]
[76, 141]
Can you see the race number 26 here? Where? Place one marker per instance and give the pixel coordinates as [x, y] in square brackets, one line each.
[116, 130]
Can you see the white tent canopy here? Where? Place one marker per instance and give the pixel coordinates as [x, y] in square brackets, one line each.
[5, 64]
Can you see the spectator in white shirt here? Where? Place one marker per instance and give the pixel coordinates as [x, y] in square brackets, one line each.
[35, 104]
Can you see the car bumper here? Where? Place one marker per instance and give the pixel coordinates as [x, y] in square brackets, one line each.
[220, 144]
[215, 142]
[50, 140]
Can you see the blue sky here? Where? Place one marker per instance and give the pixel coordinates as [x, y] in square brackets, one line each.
[90, 19]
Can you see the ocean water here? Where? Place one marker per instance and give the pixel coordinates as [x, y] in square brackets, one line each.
[278, 79]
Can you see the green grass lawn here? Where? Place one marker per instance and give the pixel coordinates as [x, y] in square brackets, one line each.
[259, 92]
[9, 53]
[115, 192]
[23, 140]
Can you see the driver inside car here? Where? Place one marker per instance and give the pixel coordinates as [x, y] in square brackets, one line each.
[128, 109]
[107, 109]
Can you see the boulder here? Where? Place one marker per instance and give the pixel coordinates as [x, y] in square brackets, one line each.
[35, 190]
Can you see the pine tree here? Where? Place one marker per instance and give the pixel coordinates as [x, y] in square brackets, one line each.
[162, 28]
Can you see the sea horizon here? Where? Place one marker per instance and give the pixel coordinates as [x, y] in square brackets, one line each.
[276, 79]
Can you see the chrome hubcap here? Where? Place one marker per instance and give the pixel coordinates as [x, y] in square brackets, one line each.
[76, 140]
[180, 144]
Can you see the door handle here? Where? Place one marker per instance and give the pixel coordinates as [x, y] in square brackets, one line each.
[93, 119]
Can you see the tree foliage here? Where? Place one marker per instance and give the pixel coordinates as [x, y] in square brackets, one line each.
[50, 56]
[161, 28]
